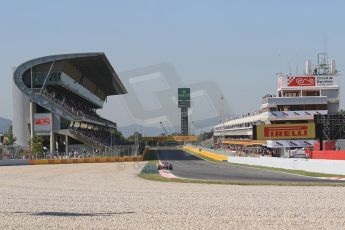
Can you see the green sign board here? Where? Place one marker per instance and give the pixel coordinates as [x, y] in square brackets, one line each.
[183, 94]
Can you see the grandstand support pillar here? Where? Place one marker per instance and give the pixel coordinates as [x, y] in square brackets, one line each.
[66, 145]
[52, 142]
[31, 119]
[47, 76]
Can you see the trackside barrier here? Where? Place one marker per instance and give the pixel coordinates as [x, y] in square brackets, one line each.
[310, 165]
[13, 162]
[70, 161]
[328, 154]
[214, 156]
[85, 160]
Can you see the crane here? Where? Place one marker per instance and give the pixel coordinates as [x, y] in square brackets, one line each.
[166, 133]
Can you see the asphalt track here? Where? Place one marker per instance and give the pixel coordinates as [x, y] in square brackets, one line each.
[186, 165]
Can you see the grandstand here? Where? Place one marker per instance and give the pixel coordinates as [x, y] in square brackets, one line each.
[299, 98]
[57, 97]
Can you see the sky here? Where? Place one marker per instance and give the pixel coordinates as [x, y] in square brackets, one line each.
[239, 45]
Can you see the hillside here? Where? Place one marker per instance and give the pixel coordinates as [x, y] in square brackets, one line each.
[4, 124]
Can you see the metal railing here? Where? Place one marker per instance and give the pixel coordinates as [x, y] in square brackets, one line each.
[12, 152]
[76, 113]
[19, 152]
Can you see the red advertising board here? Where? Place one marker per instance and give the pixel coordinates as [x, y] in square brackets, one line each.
[42, 121]
[301, 81]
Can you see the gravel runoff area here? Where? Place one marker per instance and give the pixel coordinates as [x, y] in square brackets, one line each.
[112, 196]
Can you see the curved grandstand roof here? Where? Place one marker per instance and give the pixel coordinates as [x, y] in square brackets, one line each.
[93, 66]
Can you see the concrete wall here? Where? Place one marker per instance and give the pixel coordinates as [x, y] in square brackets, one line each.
[13, 162]
[21, 117]
[320, 166]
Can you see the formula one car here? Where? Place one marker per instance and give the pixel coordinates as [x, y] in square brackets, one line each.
[164, 165]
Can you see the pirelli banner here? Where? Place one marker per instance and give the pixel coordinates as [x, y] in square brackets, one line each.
[284, 131]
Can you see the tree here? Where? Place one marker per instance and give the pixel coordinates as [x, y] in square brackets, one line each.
[118, 137]
[342, 112]
[131, 139]
[205, 136]
[36, 146]
[9, 138]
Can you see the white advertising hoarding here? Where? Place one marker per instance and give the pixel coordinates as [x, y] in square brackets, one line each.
[325, 81]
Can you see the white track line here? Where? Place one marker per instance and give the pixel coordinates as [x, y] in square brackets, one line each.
[332, 178]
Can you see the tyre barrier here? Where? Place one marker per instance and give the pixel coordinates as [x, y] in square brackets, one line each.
[71, 161]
